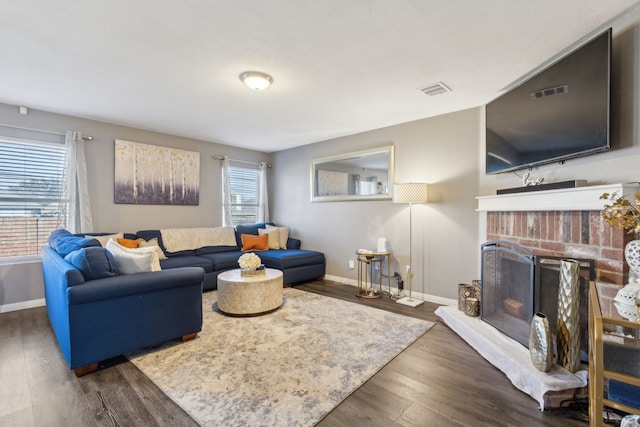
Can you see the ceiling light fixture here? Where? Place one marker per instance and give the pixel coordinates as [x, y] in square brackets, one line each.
[256, 80]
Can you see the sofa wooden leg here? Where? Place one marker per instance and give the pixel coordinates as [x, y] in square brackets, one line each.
[189, 337]
[83, 370]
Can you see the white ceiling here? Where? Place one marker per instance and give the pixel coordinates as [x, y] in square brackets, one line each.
[339, 66]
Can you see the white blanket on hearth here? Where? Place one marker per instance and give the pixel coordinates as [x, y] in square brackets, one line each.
[510, 356]
[182, 239]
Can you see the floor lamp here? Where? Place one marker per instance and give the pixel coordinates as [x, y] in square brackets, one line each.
[411, 192]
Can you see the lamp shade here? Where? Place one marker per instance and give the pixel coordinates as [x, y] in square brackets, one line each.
[410, 192]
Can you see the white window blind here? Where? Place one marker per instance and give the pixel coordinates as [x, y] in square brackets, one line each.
[243, 184]
[30, 194]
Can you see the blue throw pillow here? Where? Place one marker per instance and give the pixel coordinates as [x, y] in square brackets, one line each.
[64, 242]
[93, 262]
[57, 235]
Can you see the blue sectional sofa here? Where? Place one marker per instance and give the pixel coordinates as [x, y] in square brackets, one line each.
[97, 313]
[297, 265]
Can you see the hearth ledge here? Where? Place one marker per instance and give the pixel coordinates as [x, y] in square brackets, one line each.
[567, 199]
[511, 357]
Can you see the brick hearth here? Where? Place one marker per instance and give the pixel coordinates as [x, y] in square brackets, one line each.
[579, 234]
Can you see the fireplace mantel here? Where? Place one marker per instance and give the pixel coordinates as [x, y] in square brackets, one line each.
[585, 198]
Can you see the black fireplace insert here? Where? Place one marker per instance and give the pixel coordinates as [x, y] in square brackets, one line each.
[507, 288]
[516, 284]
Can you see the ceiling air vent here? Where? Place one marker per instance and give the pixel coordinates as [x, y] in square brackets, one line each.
[435, 89]
[551, 91]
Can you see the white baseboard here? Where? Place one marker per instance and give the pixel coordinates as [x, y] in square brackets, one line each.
[23, 305]
[439, 300]
[424, 297]
[351, 282]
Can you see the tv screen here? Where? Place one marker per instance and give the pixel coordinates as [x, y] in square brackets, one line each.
[560, 113]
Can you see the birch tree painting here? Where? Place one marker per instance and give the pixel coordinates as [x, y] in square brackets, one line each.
[153, 175]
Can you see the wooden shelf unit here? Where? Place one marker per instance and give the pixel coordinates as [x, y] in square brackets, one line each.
[599, 320]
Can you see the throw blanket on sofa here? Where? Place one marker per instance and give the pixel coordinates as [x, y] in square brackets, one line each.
[182, 239]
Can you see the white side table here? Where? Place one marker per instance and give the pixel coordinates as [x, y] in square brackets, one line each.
[249, 295]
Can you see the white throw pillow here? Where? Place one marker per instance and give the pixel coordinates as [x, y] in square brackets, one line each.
[152, 243]
[131, 261]
[283, 235]
[274, 236]
[105, 239]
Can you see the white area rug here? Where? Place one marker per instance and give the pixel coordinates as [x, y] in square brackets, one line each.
[510, 356]
[287, 368]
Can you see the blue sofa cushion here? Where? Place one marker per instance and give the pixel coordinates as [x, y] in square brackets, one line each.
[291, 258]
[187, 261]
[293, 243]
[135, 284]
[93, 263]
[63, 242]
[226, 260]
[215, 249]
[125, 235]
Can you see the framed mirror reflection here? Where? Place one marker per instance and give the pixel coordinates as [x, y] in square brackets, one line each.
[359, 175]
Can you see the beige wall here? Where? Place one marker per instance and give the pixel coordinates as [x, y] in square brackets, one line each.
[619, 164]
[445, 151]
[442, 151]
[448, 153]
[615, 166]
[21, 285]
[108, 216]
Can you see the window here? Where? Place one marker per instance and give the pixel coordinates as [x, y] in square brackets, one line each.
[244, 191]
[31, 176]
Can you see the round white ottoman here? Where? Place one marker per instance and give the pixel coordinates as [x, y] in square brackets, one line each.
[249, 295]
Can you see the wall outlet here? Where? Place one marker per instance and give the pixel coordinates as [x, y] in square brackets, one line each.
[352, 264]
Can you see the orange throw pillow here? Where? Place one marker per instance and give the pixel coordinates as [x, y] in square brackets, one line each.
[128, 243]
[251, 242]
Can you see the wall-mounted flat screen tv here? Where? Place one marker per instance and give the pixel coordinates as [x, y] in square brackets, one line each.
[560, 113]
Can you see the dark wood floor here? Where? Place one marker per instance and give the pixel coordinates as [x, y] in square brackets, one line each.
[437, 381]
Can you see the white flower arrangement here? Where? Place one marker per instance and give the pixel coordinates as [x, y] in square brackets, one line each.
[249, 261]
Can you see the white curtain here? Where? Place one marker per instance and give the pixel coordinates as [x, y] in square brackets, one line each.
[76, 189]
[226, 193]
[263, 197]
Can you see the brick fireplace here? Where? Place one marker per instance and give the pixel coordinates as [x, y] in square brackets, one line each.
[562, 223]
[554, 223]
[571, 234]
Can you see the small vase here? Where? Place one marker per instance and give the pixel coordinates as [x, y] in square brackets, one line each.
[476, 285]
[625, 301]
[632, 256]
[472, 307]
[540, 343]
[568, 332]
[464, 291]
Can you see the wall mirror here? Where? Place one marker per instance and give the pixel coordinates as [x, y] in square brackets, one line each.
[360, 175]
